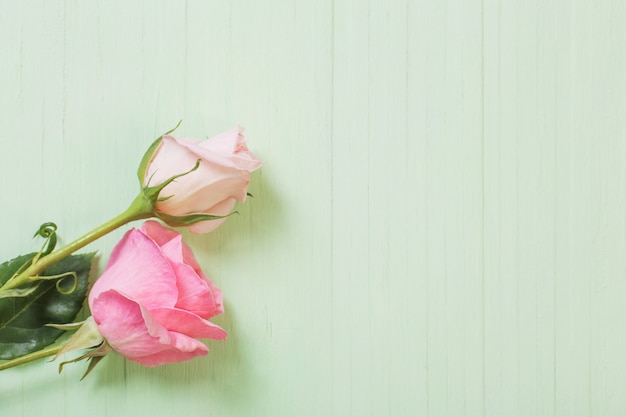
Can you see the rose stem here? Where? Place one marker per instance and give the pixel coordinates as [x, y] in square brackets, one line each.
[140, 208]
[49, 351]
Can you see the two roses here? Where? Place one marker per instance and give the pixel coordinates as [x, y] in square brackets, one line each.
[153, 301]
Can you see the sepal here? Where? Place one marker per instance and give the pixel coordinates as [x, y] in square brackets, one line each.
[149, 154]
[86, 337]
[182, 221]
[153, 194]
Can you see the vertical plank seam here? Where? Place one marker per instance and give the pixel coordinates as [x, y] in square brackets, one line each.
[369, 138]
[483, 220]
[332, 192]
[64, 73]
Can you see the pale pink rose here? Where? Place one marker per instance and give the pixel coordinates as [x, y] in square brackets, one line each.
[221, 179]
[153, 301]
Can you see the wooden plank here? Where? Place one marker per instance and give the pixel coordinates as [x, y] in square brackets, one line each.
[438, 229]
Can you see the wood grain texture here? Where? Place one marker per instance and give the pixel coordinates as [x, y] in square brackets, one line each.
[438, 229]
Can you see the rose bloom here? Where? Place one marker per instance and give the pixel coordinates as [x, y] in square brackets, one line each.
[221, 179]
[153, 301]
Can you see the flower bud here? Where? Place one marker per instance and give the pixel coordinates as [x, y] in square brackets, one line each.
[196, 183]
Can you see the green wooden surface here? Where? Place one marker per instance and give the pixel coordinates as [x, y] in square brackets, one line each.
[438, 230]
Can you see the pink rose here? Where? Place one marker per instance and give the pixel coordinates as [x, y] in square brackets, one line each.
[221, 179]
[153, 300]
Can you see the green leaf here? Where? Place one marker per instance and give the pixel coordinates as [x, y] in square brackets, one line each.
[23, 319]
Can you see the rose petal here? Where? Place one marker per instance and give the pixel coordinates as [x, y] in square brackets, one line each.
[203, 188]
[170, 159]
[128, 327]
[221, 209]
[159, 233]
[184, 322]
[218, 299]
[142, 338]
[147, 278]
[171, 243]
[173, 249]
[163, 236]
[227, 149]
[183, 349]
[226, 143]
[195, 294]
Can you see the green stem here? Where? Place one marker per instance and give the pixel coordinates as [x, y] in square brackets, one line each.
[140, 208]
[43, 353]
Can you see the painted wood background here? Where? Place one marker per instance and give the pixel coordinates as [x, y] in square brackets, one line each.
[438, 230]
